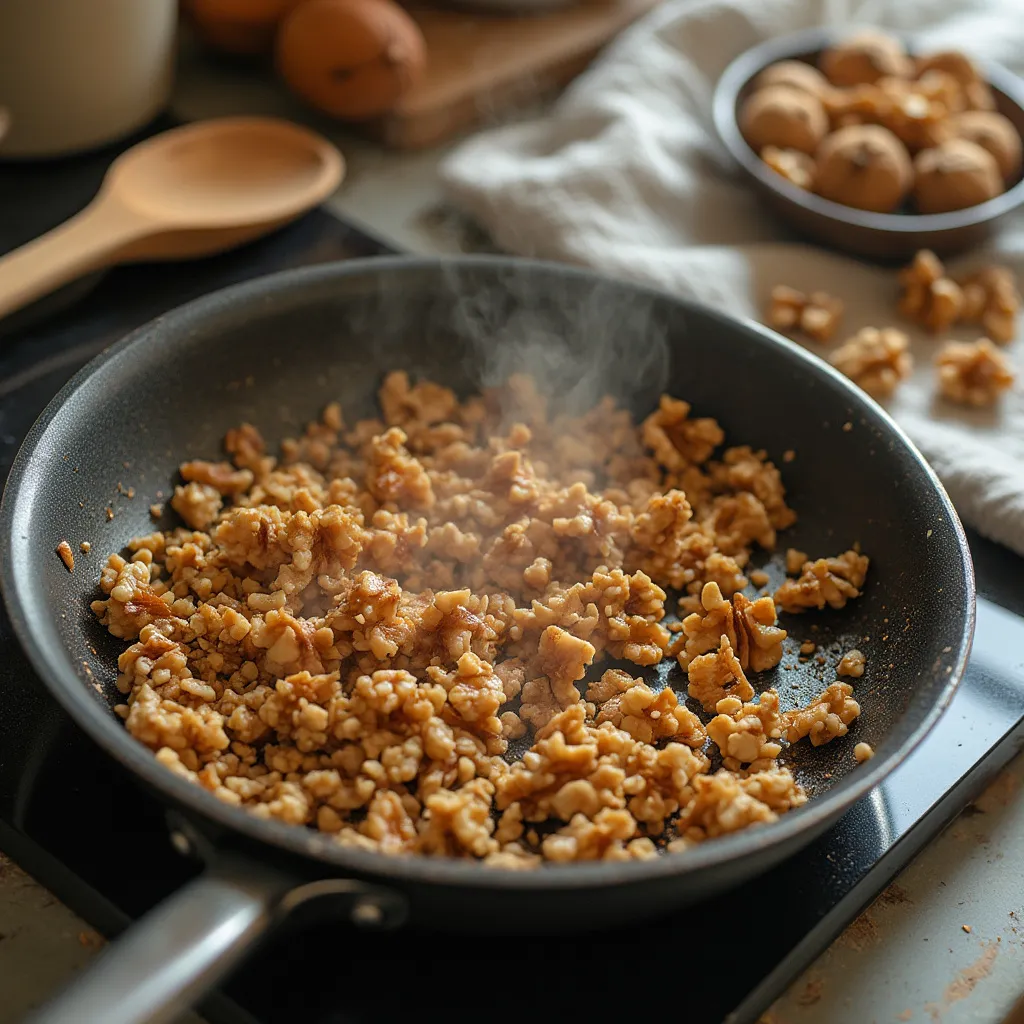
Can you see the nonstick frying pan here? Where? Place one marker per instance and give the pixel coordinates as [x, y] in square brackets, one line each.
[273, 352]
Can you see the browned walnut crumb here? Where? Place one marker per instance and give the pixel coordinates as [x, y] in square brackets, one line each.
[863, 752]
[759, 578]
[85, 547]
[110, 513]
[817, 315]
[826, 581]
[967, 928]
[67, 556]
[156, 511]
[825, 718]
[348, 636]
[788, 455]
[876, 360]
[808, 647]
[973, 372]
[852, 664]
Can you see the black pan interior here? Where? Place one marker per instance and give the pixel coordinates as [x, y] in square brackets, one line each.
[274, 351]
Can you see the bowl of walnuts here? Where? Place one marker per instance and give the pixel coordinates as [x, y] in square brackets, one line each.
[865, 145]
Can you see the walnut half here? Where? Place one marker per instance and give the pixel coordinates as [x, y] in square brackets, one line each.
[750, 627]
[826, 581]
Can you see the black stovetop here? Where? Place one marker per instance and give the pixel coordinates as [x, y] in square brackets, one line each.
[79, 824]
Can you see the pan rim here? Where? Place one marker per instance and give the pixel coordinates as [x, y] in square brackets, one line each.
[108, 732]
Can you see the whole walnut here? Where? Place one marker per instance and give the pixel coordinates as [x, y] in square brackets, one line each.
[954, 175]
[865, 57]
[995, 134]
[864, 166]
[782, 116]
[977, 94]
[797, 75]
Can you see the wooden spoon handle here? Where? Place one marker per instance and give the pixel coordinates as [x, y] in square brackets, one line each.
[88, 241]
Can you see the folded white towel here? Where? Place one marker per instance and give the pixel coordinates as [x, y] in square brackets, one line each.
[625, 174]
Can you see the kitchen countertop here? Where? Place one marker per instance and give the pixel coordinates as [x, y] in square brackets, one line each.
[944, 943]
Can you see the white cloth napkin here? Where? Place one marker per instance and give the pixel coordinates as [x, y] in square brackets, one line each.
[626, 174]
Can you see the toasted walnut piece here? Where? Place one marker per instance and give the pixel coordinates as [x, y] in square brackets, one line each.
[863, 752]
[817, 315]
[852, 664]
[759, 578]
[991, 298]
[712, 677]
[973, 372]
[825, 718]
[725, 802]
[795, 561]
[649, 717]
[676, 440]
[749, 627]
[876, 360]
[747, 733]
[826, 581]
[198, 504]
[929, 296]
[795, 166]
[611, 684]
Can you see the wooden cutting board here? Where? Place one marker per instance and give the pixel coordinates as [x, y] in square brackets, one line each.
[482, 66]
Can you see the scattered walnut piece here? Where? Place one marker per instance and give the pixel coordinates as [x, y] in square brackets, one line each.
[808, 647]
[991, 299]
[85, 547]
[876, 360]
[794, 165]
[827, 717]
[759, 578]
[973, 372]
[929, 297]
[817, 315]
[826, 581]
[67, 556]
[156, 510]
[863, 752]
[852, 664]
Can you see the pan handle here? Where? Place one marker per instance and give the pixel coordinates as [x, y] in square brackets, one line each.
[173, 956]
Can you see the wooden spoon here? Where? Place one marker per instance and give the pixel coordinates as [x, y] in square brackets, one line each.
[191, 191]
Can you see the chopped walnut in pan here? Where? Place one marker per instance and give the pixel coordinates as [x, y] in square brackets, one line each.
[876, 360]
[825, 581]
[348, 636]
[827, 717]
[973, 372]
[817, 315]
[852, 664]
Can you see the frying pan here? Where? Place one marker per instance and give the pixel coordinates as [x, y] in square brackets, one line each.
[273, 352]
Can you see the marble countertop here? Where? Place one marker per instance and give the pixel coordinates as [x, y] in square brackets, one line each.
[945, 942]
